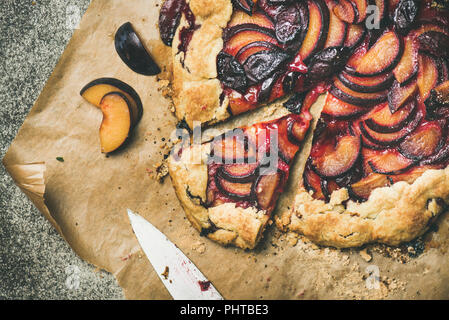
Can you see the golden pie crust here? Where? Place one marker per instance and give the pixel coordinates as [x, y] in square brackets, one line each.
[392, 215]
[196, 88]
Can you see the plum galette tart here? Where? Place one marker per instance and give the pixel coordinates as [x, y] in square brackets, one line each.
[377, 163]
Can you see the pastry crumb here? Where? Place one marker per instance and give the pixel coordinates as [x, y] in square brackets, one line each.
[166, 273]
[199, 247]
[365, 255]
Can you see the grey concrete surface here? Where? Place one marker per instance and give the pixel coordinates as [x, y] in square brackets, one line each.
[35, 262]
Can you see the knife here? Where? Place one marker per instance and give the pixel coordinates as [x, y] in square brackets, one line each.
[180, 276]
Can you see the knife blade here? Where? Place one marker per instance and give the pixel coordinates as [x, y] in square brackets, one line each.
[183, 280]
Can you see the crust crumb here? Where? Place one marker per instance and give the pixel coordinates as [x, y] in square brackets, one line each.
[199, 247]
[365, 255]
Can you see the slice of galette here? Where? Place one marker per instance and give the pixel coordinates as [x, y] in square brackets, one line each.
[378, 167]
[229, 186]
[230, 57]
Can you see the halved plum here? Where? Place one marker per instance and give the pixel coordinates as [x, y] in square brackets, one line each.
[339, 110]
[407, 67]
[231, 72]
[383, 121]
[346, 11]
[366, 84]
[388, 162]
[423, 142]
[342, 92]
[327, 62]
[405, 15]
[234, 190]
[337, 28]
[427, 75]
[336, 160]
[382, 57]
[399, 95]
[317, 29]
[394, 138]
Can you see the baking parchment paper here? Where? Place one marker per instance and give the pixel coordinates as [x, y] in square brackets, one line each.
[86, 196]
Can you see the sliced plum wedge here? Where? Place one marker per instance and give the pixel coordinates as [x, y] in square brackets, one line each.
[423, 142]
[317, 29]
[366, 84]
[399, 95]
[337, 28]
[394, 138]
[382, 57]
[346, 11]
[363, 188]
[427, 75]
[383, 121]
[233, 190]
[334, 108]
[354, 36]
[245, 172]
[336, 160]
[133, 53]
[407, 67]
[388, 162]
[265, 190]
